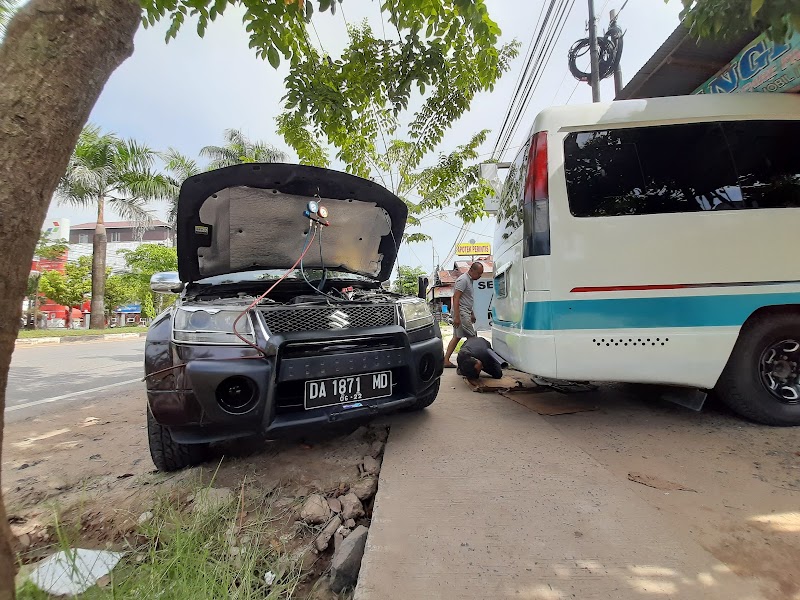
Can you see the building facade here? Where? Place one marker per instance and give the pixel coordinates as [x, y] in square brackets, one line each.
[121, 235]
[441, 293]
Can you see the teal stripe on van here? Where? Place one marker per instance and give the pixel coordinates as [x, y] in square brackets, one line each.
[646, 313]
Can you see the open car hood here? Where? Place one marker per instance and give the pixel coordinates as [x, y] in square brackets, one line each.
[249, 217]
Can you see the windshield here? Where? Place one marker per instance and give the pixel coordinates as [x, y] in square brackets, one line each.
[270, 274]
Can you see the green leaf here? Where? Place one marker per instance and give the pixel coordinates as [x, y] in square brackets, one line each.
[755, 6]
[273, 57]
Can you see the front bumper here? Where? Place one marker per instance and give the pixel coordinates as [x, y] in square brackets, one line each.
[191, 410]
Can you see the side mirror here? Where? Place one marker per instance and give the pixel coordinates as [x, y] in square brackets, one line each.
[491, 173]
[166, 283]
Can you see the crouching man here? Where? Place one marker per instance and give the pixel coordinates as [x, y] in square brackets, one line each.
[476, 355]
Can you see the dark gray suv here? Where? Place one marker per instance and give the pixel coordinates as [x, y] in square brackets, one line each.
[283, 322]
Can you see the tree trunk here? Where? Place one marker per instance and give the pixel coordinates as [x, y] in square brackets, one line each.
[97, 320]
[54, 61]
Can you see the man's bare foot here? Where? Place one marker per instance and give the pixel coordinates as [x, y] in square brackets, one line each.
[449, 365]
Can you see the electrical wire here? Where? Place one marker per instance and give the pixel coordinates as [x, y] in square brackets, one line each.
[261, 351]
[609, 48]
[265, 294]
[522, 73]
[548, 34]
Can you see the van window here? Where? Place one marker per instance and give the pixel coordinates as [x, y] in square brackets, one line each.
[683, 168]
[509, 214]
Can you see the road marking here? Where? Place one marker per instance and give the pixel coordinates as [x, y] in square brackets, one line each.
[72, 395]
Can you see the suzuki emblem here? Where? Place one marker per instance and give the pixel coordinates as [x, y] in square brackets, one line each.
[339, 320]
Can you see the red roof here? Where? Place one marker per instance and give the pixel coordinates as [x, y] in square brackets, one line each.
[120, 225]
[449, 276]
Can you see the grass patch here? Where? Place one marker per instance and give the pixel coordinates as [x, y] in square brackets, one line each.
[40, 333]
[184, 554]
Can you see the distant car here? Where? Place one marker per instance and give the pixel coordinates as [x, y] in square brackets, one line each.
[327, 344]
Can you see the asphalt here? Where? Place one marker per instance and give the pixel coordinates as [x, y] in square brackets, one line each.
[481, 498]
[42, 376]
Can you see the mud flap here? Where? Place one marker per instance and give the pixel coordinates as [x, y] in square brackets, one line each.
[692, 399]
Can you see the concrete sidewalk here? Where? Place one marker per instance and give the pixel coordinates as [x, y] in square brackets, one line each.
[482, 498]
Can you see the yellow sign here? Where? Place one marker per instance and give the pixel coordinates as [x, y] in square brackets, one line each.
[474, 249]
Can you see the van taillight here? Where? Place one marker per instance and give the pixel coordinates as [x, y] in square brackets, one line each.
[536, 183]
[536, 205]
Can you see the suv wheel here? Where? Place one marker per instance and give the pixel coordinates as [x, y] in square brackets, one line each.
[426, 400]
[761, 381]
[167, 454]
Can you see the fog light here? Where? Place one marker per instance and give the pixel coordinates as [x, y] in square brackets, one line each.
[427, 367]
[236, 394]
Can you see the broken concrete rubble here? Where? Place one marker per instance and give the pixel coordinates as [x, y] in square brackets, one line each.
[371, 466]
[351, 506]
[365, 488]
[335, 505]
[315, 510]
[346, 561]
[323, 540]
[376, 449]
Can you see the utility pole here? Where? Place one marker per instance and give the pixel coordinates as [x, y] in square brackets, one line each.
[593, 54]
[618, 69]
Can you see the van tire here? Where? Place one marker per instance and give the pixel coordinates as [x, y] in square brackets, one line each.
[167, 454]
[741, 387]
[428, 399]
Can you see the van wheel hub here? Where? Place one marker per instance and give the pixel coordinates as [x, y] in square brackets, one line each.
[780, 371]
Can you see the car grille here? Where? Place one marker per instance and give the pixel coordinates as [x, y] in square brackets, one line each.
[318, 318]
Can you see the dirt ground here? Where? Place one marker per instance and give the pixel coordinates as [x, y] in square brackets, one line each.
[741, 496]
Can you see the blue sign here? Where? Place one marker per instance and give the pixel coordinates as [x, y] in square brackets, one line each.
[763, 66]
[130, 308]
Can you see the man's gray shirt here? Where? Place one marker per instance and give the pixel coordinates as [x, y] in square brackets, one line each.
[464, 284]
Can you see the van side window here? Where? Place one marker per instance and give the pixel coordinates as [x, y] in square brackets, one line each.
[682, 168]
[509, 214]
[767, 161]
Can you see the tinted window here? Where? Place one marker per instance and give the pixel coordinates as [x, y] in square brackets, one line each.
[509, 214]
[683, 168]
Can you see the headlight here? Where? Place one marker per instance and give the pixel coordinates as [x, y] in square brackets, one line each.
[416, 313]
[208, 325]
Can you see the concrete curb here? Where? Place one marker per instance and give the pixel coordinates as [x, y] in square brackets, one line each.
[67, 339]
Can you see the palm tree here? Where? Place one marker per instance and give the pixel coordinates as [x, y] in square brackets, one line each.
[178, 168]
[239, 149]
[7, 10]
[106, 170]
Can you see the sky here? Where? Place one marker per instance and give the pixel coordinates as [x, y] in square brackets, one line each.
[184, 94]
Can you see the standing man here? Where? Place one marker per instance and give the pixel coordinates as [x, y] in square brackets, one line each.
[463, 315]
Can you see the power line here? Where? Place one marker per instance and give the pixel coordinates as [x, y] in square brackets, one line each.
[573, 91]
[549, 33]
[522, 73]
[546, 52]
[541, 43]
[502, 138]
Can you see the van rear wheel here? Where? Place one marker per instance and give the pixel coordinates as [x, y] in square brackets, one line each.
[761, 381]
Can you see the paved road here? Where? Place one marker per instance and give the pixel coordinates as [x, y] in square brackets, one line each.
[80, 372]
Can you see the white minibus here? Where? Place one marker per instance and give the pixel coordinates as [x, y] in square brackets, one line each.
[657, 241]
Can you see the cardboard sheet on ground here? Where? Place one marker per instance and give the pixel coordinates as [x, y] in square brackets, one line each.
[551, 403]
[511, 380]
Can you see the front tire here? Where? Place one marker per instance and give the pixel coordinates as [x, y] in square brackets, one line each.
[428, 399]
[167, 454]
[761, 381]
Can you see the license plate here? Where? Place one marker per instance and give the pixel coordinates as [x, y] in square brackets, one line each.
[350, 388]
